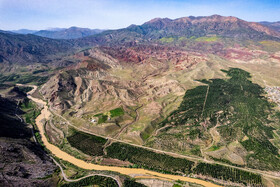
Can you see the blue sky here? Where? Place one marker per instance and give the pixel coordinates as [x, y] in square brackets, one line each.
[113, 14]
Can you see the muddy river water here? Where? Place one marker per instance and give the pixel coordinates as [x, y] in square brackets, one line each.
[45, 114]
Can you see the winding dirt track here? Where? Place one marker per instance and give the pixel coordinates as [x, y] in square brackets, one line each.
[75, 180]
[45, 114]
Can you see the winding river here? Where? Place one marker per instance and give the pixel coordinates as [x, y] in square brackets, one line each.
[45, 114]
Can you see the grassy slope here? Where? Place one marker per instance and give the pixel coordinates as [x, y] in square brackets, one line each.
[237, 105]
[167, 164]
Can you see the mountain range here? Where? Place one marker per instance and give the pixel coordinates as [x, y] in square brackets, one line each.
[188, 27]
[23, 48]
[272, 25]
[61, 33]
[199, 88]
[19, 48]
[70, 33]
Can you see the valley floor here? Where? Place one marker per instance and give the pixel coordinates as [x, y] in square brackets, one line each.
[45, 114]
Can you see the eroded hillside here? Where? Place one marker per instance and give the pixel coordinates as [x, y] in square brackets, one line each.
[123, 96]
[148, 83]
[23, 161]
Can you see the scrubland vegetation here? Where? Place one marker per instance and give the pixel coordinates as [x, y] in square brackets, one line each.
[143, 158]
[238, 108]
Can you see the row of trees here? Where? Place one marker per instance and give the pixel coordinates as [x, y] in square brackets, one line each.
[167, 164]
[149, 159]
[88, 144]
[228, 174]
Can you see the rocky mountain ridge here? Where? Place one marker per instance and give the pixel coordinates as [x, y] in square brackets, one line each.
[23, 162]
[188, 27]
[214, 24]
[273, 25]
[70, 33]
[16, 48]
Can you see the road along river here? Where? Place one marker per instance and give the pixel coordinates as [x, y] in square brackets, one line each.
[45, 114]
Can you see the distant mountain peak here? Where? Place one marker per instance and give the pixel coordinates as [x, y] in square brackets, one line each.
[69, 33]
[215, 24]
[272, 25]
[212, 18]
[24, 31]
[155, 20]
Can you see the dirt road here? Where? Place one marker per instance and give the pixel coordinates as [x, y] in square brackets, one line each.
[45, 114]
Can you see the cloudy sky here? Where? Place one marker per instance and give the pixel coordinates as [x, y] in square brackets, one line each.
[113, 14]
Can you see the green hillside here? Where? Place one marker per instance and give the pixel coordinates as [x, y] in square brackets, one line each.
[239, 111]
